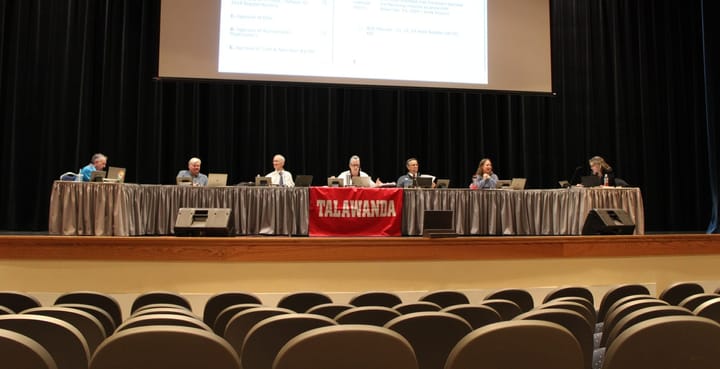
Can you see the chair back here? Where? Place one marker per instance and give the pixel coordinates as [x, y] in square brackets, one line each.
[62, 340]
[101, 315]
[709, 309]
[571, 305]
[222, 319]
[416, 307]
[18, 301]
[517, 344]
[301, 302]
[506, 308]
[164, 347]
[267, 337]
[476, 315]
[98, 299]
[371, 315]
[641, 315]
[90, 327]
[216, 303]
[330, 310]
[149, 320]
[666, 343]
[693, 301]
[241, 323]
[521, 297]
[616, 293]
[163, 309]
[376, 298]
[677, 292]
[160, 297]
[570, 291]
[432, 335]
[622, 311]
[21, 352]
[347, 347]
[446, 298]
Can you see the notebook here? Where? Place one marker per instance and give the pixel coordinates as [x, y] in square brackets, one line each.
[116, 174]
[361, 182]
[591, 181]
[97, 176]
[217, 179]
[302, 180]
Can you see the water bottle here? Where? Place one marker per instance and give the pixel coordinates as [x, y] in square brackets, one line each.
[606, 182]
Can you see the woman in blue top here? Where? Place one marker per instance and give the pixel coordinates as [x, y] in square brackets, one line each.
[484, 177]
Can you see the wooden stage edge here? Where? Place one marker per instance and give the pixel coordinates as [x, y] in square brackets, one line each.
[307, 249]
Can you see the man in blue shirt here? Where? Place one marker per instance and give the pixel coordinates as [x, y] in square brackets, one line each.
[97, 162]
[193, 171]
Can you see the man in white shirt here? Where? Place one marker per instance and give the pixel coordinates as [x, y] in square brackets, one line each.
[280, 176]
[354, 171]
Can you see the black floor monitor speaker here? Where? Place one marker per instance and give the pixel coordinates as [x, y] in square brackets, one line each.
[439, 223]
[203, 222]
[608, 222]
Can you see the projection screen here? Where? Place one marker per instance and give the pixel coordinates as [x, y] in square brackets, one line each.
[457, 44]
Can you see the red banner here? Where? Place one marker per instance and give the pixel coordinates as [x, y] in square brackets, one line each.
[354, 211]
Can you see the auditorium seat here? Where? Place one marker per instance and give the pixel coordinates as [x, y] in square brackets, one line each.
[301, 302]
[571, 305]
[267, 337]
[62, 340]
[160, 297]
[709, 309]
[242, 322]
[371, 315]
[18, 301]
[163, 309]
[164, 347]
[643, 314]
[101, 315]
[617, 292]
[98, 299]
[4, 310]
[416, 307]
[432, 335]
[222, 319]
[570, 291]
[677, 292]
[666, 343]
[162, 319]
[693, 301]
[216, 303]
[521, 297]
[21, 352]
[506, 308]
[574, 322]
[445, 298]
[518, 344]
[88, 325]
[347, 347]
[330, 310]
[618, 313]
[476, 315]
[376, 298]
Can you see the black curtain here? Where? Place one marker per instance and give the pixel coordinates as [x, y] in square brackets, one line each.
[77, 77]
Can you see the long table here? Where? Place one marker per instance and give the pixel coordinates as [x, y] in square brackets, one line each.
[125, 209]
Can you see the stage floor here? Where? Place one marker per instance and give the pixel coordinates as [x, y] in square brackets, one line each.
[288, 249]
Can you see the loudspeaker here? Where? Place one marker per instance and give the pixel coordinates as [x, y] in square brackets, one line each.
[439, 223]
[608, 221]
[203, 222]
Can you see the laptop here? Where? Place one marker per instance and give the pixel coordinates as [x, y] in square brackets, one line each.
[115, 174]
[424, 182]
[217, 179]
[302, 180]
[97, 176]
[361, 182]
[183, 181]
[438, 223]
[590, 181]
[335, 182]
[518, 183]
[442, 183]
[262, 181]
[503, 184]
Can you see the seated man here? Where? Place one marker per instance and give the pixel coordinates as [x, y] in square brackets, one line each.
[97, 162]
[280, 176]
[193, 171]
[409, 180]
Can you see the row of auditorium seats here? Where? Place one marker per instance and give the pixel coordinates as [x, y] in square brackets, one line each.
[442, 330]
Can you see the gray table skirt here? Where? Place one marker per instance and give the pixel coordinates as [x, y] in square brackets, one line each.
[111, 209]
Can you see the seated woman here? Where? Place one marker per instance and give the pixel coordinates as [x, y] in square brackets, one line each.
[484, 176]
[600, 168]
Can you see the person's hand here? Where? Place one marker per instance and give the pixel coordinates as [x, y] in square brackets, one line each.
[486, 176]
[378, 182]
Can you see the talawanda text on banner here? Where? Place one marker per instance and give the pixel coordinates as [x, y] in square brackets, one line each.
[355, 211]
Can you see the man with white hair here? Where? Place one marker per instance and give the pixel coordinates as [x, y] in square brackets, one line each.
[97, 162]
[355, 171]
[280, 176]
[193, 171]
